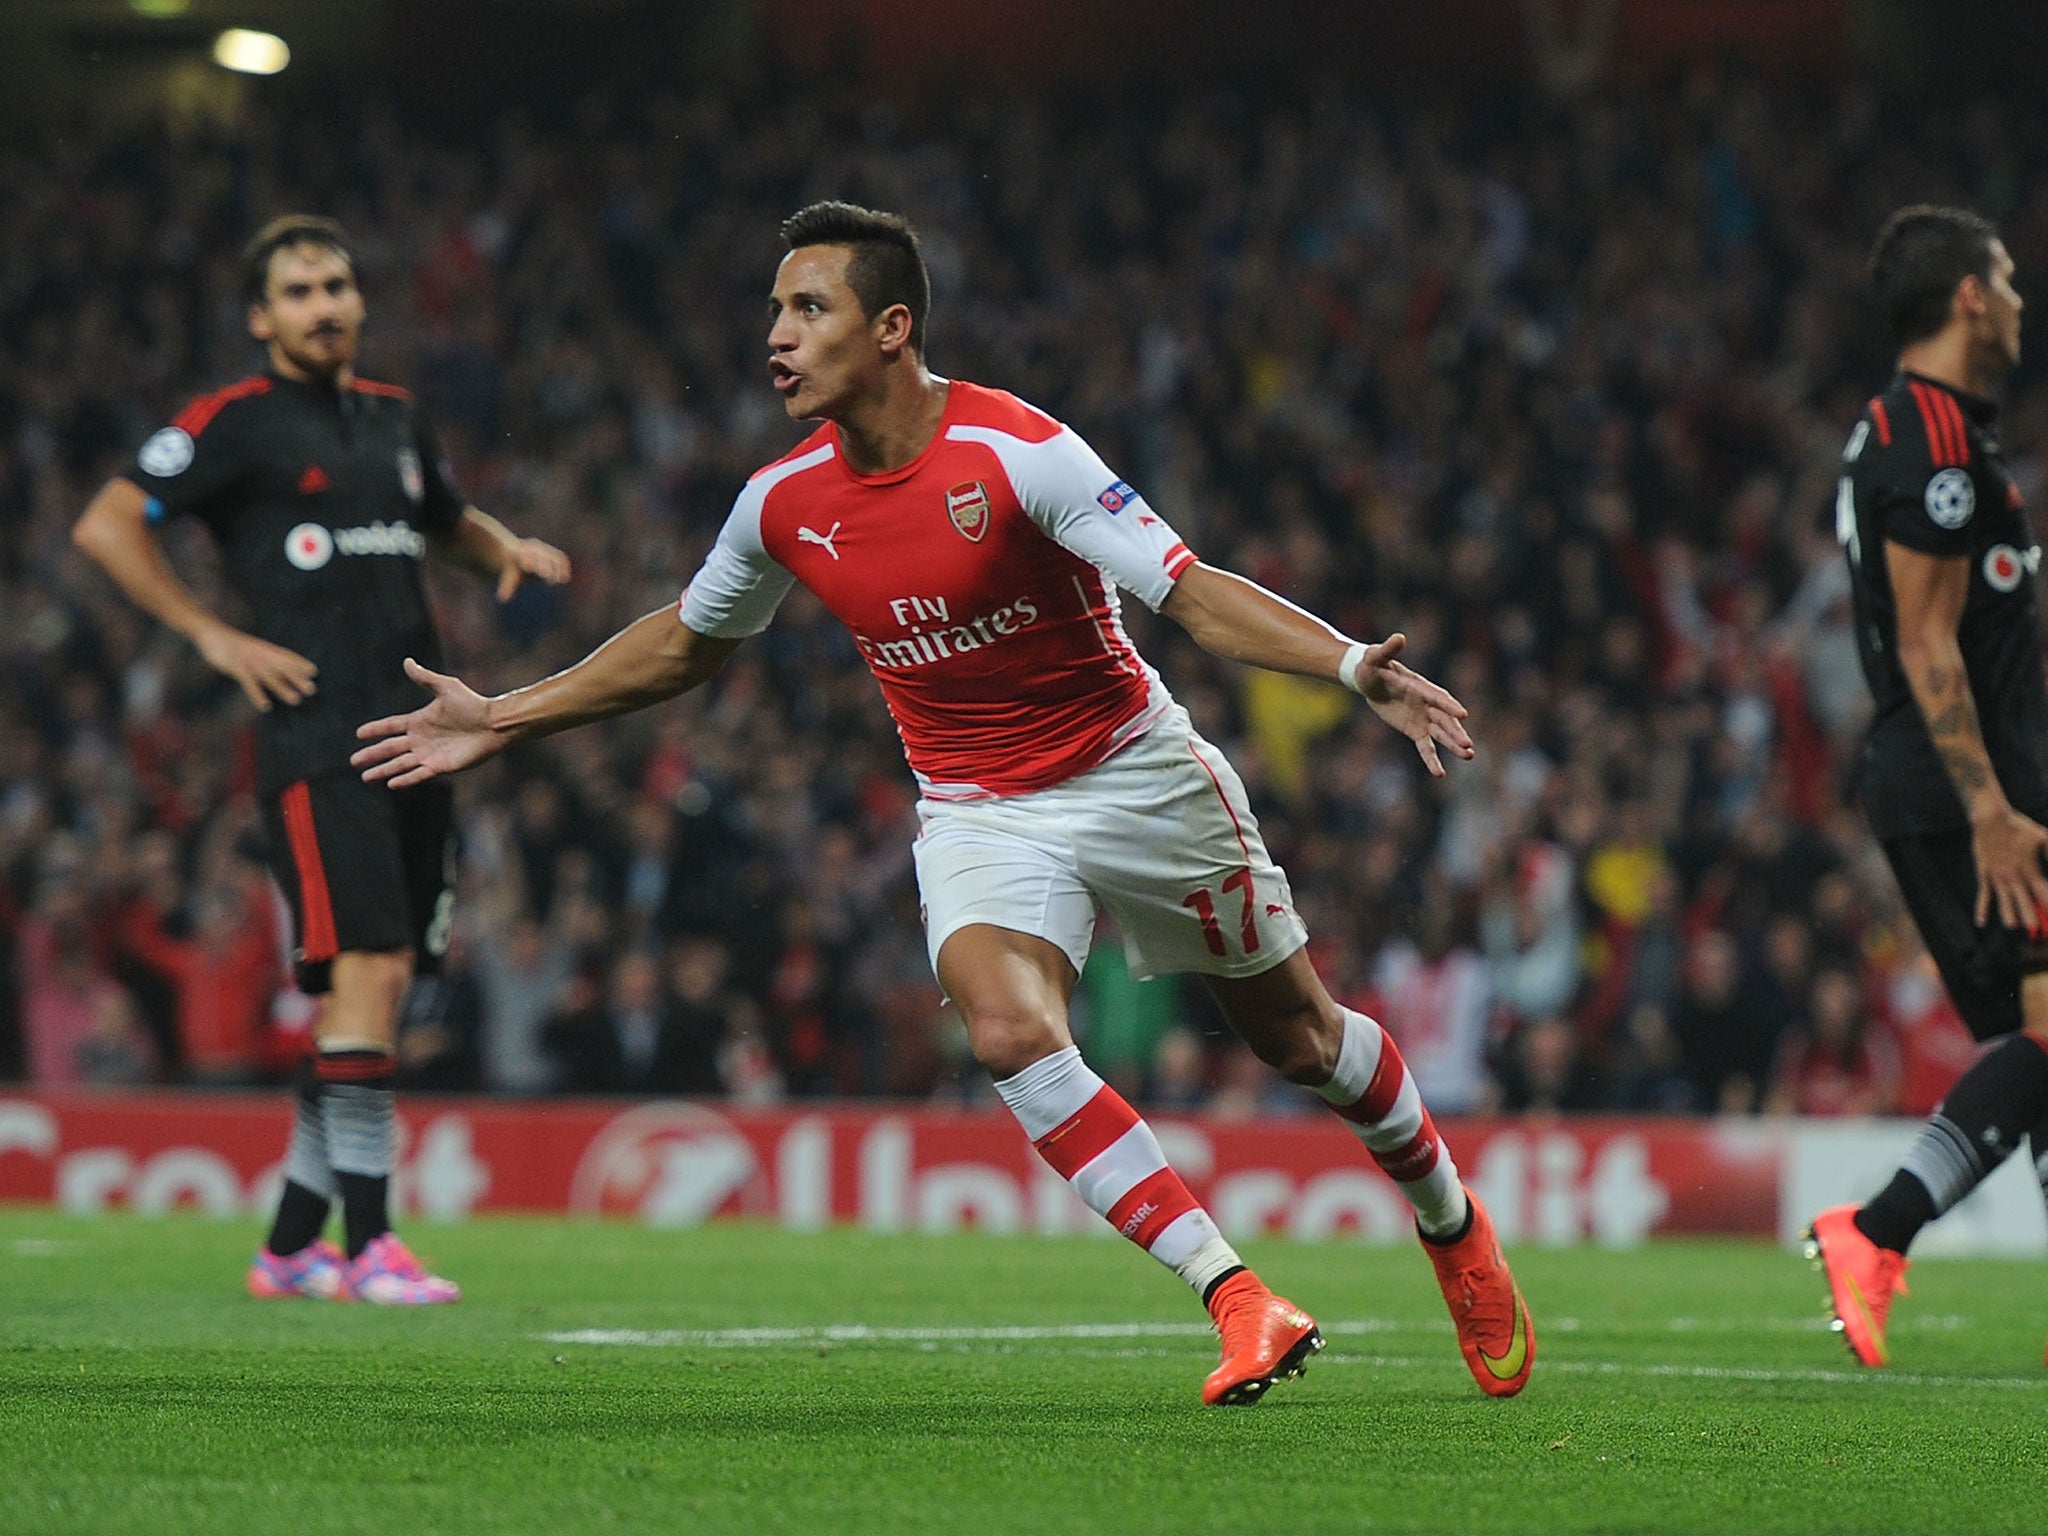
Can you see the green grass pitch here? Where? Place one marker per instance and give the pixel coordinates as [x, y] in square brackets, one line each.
[742, 1379]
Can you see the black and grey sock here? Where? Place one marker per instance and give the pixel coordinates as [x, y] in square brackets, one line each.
[309, 1187]
[362, 1135]
[2000, 1099]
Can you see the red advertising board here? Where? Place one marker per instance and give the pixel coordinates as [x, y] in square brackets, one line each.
[887, 1168]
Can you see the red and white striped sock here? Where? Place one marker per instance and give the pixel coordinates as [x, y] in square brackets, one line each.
[1373, 1091]
[1098, 1144]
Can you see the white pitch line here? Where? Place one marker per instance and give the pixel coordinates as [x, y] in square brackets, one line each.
[1096, 1334]
[40, 1247]
[866, 1333]
[862, 1333]
[1873, 1380]
[1720, 1373]
[963, 1341]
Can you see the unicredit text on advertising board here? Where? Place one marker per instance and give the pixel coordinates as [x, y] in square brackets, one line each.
[676, 1163]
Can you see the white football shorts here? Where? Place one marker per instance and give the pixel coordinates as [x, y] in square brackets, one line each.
[1161, 835]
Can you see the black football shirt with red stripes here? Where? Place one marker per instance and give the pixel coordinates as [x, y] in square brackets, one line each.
[320, 500]
[1922, 469]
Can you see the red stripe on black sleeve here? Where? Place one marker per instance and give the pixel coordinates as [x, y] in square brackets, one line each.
[1881, 419]
[1959, 432]
[197, 416]
[1941, 432]
[1928, 426]
[316, 908]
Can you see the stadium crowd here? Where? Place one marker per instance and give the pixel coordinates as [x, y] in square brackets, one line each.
[1558, 388]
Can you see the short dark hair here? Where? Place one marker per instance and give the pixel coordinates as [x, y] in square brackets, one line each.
[1921, 254]
[280, 234]
[888, 263]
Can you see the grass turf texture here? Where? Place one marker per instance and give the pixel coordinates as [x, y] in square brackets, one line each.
[1682, 1387]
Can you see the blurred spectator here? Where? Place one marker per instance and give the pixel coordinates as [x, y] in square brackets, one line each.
[745, 1064]
[223, 976]
[704, 1020]
[1543, 1070]
[81, 1026]
[1835, 1063]
[800, 1002]
[641, 1031]
[1934, 1044]
[1721, 1053]
[577, 1035]
[1531, 933]
[116, 1051]
[522, 978]
[1646, 1072]
[441, 1025]
[1654, 959]
[1180, 1072]
[1436, 999]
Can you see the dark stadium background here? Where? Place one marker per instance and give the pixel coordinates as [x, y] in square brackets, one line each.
[1539, 350]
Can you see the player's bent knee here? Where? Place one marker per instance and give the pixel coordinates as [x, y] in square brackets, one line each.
[1006, 1041]
[1301, 1046]
[1311, 1062]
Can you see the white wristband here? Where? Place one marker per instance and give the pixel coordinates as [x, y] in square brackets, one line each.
[1347, 669]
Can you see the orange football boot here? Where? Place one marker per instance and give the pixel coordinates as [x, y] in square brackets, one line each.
[1862, 1279]
[1265, 1339]
[1495, 1332]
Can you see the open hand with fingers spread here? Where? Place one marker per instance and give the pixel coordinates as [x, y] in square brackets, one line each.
[447, 734]
[1419, 709]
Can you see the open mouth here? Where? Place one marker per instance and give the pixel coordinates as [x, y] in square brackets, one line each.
[785, 378]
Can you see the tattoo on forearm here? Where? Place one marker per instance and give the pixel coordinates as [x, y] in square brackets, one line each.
[1967, 773]
[1951, 715]
[1956, 720]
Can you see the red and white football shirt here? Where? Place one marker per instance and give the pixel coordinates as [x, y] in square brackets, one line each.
[979, 582]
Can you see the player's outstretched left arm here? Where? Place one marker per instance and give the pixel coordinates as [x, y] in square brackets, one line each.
[654, 658]
[1240, 620]
[486, 545]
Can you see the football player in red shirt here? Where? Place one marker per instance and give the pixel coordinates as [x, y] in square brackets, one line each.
[974, 546]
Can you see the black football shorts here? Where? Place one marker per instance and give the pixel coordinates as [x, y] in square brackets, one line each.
[364, 867]
[1982, 967]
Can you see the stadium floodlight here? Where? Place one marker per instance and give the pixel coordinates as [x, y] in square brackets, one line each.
[251, 53]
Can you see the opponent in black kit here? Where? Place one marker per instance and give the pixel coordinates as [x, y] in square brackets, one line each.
[324, 492]
[1955, 774]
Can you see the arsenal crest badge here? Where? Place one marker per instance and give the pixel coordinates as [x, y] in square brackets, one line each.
[967, 505]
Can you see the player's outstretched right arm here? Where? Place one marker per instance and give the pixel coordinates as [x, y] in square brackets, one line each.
[114, 532]
[654, 658]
